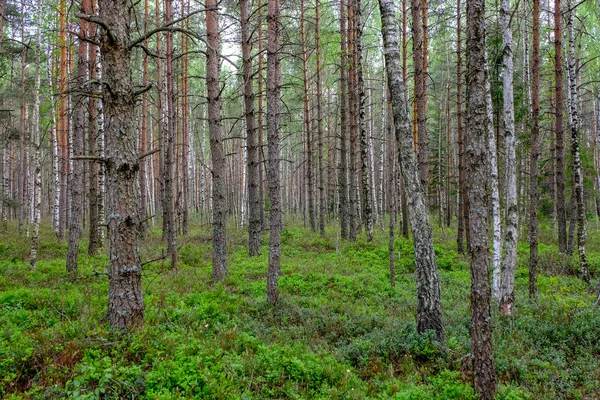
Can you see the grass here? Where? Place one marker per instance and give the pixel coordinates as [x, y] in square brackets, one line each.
[339, 332]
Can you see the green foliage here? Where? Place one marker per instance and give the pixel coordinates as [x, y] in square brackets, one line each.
[339, 332]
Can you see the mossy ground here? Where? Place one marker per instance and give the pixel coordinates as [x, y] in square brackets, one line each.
[339, 332]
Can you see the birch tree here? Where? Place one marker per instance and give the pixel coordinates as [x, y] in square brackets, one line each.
[509, 260]
[429, 310]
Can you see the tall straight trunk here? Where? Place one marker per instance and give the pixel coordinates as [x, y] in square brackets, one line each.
[274, 139]
[509, 260]
[429, 309]
[94, 234]
[320, 133]
[364, 142]
[125, 304]
[23, 170]
[255, 223]
[448, 160]
[353, 195]
[391, 160]
[219, 192]
[534, 152]
[63, 130]
[575, 152]
[185, 139]
[419, 98]
[170, 133]
[306, 123]
[484, 379]
[493, 162]
[261, 96]
[37, 158]
[160, 119]
[101, 151]
[53, 141]
[144, 136]
[344, 131]
[561, 213]
[77, 183]
[461, 213]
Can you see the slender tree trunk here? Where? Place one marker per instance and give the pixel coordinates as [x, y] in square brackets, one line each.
[307, 129]
[420, 105]
[391, 159]
[23, 170]
[37, 158]
[261, 153]
[534, 152]
[493, 161]
[144, 137]
[344, 132]
[125, 299]
[170, 133]
[509, 261]
[364, 143]
[94, 234]
[322, 191]
[274, 138]
[353, 195]
[462, 211]
[575, 152]
[185, 139]
[255, 223]
[63, 130]
[77, 183]
[219, 192]
[561, 213]
[429, 309]
[484, 379]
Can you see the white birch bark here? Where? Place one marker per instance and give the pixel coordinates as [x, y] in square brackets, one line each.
[492, 154]
[574, 119]
[509, 261]
[37, 159]
[55, 169]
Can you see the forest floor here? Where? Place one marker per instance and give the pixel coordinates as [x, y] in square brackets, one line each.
[339, 332]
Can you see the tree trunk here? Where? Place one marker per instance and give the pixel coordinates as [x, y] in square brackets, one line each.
[420, 106]
[63, 131]
[37, 158]
[353, 195]
[219, 192]
[94, 234]
[561, 213]
[484, 379]
[255, 223]
[77, 183]
[391, 159]
[144, 137]
[364, 144]
[322, 192]
[274, 139]
[125, 300]
[185, 140]
[429, 310]
[307, 129]
[492, 156]
[170, 138]
[535, 152]
[509, 261]
[461, 212]
[344, 132]
[575, 152]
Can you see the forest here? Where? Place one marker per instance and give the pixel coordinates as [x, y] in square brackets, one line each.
[309, 199]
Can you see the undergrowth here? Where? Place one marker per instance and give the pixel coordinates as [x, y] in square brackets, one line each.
[339, 332]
